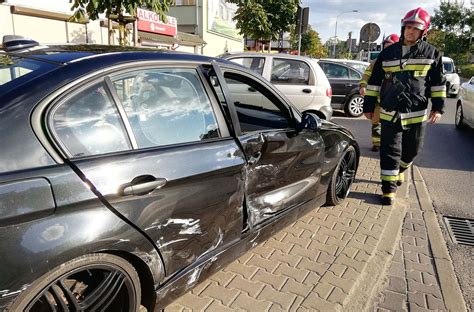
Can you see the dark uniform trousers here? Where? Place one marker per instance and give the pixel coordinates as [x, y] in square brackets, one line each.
[398, 149]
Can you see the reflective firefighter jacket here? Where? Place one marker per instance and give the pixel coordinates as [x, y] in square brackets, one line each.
[420, 70]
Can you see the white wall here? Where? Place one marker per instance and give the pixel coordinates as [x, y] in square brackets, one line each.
[217, 44]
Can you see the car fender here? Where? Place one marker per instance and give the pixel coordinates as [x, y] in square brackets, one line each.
[45, 244]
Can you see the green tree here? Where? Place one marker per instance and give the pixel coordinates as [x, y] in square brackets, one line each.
[118, 10]
[265, 19]
[311, 44]
[453, 26]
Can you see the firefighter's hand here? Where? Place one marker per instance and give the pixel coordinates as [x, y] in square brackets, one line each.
[369, 115]
[362, 91]
[434, 117]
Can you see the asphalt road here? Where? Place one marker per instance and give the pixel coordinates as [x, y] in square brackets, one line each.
[447, 166]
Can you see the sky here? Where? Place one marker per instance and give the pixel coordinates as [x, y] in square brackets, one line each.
[385, 13]
[322, 16]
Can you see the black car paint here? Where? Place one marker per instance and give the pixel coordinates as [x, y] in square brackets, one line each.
[190, 244]
[342, 89]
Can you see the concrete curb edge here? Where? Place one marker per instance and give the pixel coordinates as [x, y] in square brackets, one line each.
[449, 284]
[372, 279]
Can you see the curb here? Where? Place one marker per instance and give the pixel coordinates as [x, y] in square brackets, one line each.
[372, 279]
[449, 284]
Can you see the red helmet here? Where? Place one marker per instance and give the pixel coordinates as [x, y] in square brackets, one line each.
[391, 39]
[419, 18]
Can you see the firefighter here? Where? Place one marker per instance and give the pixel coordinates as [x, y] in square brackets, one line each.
[405, 75]
[388, 41]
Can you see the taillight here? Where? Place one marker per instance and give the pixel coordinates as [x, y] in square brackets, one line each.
[328, 92]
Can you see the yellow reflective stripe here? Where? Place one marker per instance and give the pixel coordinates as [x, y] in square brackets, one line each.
[420, 73]
[391, 195]
[407, 68]
[386, 117]
[389, 178]
[372, 93]
[415, 120]
[405, 165]
[438, 94]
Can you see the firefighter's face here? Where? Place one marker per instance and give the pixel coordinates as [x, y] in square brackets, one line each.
[412, 34]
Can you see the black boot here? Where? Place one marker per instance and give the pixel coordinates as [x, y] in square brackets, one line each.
[387, 201]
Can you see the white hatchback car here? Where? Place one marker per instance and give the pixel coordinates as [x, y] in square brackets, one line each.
[452, 77]
[299, 78]
[465, 105]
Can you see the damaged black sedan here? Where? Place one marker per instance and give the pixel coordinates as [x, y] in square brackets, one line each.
[127, 177]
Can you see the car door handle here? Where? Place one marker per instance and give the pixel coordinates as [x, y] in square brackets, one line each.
[307, 90]
[254, 158]
[252, 89]
[349, 84]
[141, 188]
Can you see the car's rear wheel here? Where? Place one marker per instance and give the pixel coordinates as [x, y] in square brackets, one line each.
[355, 106]
[95, 282]
[459, 117]
[342, 178]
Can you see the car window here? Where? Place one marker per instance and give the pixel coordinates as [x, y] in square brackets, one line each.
[336, 71]
[290, 72]
[89, 124]
[355, 75]
[359, 67]
[166, 106]
[448, 67]
[253, 63]
[255, 110]
[14, 69]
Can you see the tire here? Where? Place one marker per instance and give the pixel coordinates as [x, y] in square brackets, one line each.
[342, 178]
[77, 284]
[459, 117]
[355, 106]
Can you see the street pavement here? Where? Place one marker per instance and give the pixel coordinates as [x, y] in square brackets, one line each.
[359, 256]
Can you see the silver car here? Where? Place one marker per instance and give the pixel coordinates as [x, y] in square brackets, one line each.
[299, 78]
[465, 105]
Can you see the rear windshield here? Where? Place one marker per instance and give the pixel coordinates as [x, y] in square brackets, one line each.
[15, 70]
[448, 67]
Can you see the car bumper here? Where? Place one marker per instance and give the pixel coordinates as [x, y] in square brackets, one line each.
[453, 89]
[327, 112]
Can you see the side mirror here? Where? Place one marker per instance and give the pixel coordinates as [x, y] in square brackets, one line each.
[458, 70]
[310, 121]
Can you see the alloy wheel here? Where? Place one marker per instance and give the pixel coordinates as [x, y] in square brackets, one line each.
[346, 174]
[356, 106]
[93, 288]
[459, 116]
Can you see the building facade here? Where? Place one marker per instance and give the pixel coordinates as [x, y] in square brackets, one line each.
[211, 20]
[204, 27]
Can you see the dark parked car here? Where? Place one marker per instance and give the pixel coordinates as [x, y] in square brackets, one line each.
[344, 80]
[127, 176]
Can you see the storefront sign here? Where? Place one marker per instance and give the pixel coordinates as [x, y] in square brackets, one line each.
[149, 21]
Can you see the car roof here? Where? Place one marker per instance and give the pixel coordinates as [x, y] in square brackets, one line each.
[448, 59]
[72, 53]
[345, 61]
[261, 54]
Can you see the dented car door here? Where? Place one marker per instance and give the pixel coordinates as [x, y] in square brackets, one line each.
[155, 147]
[283, 163]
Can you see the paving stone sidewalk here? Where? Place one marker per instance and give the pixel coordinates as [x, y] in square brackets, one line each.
[332, 259]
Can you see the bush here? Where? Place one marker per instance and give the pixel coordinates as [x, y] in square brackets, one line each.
[467, 71]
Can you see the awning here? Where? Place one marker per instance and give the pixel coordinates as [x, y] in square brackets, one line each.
[158, 38]
[190, 39]
[182, 38]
